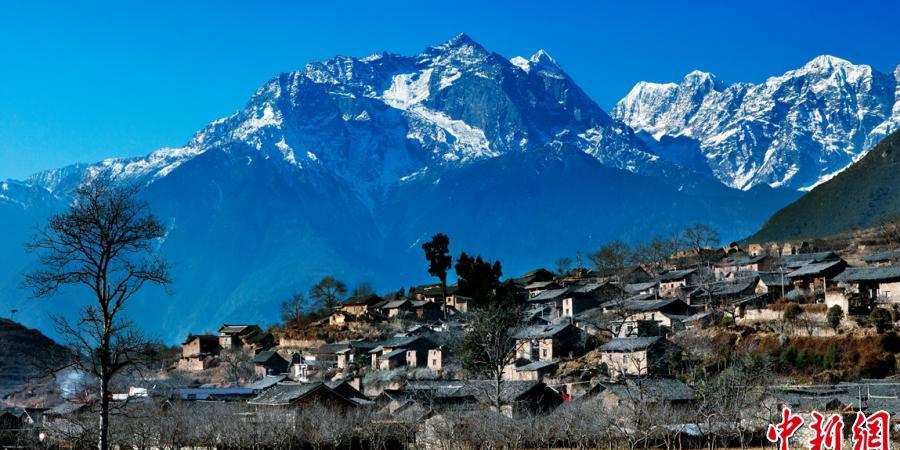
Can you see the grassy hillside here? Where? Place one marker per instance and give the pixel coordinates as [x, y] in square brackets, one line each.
[858, 197]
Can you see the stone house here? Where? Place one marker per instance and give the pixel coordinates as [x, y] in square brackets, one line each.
[665, 313]
[200, 345]
[533, 371]
[244, 336]
[547, 342]
[198, 351]
[637, 356]
[293, 394]
[872, 284]
[269, 363]
[671, 282]
[361, 304]
[410, 351]
[396, 308]
[883, 258]
[734, 266]
[818, 276]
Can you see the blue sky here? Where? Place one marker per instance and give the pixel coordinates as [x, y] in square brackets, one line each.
[81, 81]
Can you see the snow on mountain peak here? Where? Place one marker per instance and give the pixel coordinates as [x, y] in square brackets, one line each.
[826, 62]
[542, 57]
[793, 130]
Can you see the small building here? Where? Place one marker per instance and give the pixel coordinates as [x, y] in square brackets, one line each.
[199, 345]
[241, 336]
[662, 312]
[533, 276]
[426, 311]
[581, 298]
[879, 284]
[649, 287]
[399, 351]
[727, 291]
[734, 266]
[353, 351]
[648, 391]
[775, 284]
[883, 258]
[270, 363]
[634, 356]
[396, 308]
[818, 276]
[361, 304]
[798, 260]
[436, 358]
[671, 282]
[533, 371]
[293, 394]
[197, 352]
[537, 287]
[546, 343]
[517, 398]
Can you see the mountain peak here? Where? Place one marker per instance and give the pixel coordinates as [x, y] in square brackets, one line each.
[698, 77]
[826, 62]
[542, 56]
[460, 40]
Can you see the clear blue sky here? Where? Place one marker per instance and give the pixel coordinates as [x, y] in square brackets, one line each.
[81, 81]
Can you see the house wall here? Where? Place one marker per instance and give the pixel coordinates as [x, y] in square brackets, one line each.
[435, 359]
[356, 310]
[837, 297]
[191, 348]
[891, 291]
[670, 288]
[194, 364]
[626, 363]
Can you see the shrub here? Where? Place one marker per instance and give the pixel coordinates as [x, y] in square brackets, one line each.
[882, 319]
[834, 316]
[791, 312]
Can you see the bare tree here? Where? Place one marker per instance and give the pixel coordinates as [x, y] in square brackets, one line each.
[105, 242]
[328, 292]
[699, 238]
[563, 265]
[490, 345]
[237, 364]
[294, 308]
[612, 258]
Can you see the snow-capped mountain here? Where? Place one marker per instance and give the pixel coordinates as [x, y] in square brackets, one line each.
[795, 130]
[345, 167]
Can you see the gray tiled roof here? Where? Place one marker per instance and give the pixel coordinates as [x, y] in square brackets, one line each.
[638, 287]
[813, 269]
[541, 331]
[267, 382]
[648, 305]
[857, 274]
[549, 295]
[286, 393]
[629, 344]
[537, 365]
[652, 390]
[802, 259]
[882, 256]
[673, 275]
[774, 278]
[474, 389]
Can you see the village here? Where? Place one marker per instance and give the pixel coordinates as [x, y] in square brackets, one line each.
[702, 347]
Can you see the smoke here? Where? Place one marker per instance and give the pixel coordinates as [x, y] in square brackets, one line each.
[72, 383]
